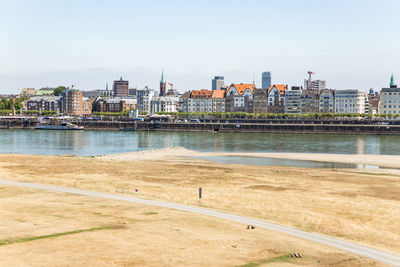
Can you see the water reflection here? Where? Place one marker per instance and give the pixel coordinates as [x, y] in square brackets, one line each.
[288, 162]
[103, 142]
[280, 162]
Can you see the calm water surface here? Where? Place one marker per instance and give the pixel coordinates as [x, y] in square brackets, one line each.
[88, 143]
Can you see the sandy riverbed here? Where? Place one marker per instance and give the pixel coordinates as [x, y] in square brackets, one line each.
[361, 207]
[390, 161]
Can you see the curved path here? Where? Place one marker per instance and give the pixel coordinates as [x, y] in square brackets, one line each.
[361, 250]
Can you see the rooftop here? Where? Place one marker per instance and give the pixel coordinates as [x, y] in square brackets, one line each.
[202, 93]
[281, 88]
[242, 87]
[218, 93]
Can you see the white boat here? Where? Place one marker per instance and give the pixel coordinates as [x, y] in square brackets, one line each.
[61, 126]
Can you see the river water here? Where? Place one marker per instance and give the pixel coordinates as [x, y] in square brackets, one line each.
[89, 143]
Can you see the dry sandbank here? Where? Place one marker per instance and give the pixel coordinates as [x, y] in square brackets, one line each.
[169, 153]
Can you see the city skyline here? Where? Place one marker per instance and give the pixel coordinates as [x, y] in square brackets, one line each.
[350, 44]
[132, 83]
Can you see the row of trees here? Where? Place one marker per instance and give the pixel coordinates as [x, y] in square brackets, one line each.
[59, 90]
[243, 115]
[7, 105]
[10, 104]
[7, 112]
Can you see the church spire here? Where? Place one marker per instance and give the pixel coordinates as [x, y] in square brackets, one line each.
[162, 77]
[163, 85]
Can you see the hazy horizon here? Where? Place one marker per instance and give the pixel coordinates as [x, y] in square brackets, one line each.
[350, 44]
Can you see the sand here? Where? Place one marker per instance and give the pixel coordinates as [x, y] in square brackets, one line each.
[390, 161]
[141, 236]
[361, 207]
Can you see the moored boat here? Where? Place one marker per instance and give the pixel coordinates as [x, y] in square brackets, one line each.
[61, 126]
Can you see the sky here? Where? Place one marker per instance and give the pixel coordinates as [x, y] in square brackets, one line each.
[352, 44]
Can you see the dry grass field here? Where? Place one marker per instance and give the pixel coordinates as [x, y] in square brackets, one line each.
[354, 206]
[53, 229]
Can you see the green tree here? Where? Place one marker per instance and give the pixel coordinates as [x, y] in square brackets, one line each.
[59, 90]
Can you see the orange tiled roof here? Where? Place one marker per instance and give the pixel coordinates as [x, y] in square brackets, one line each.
[241, 87]
[218, 93]
[203, 93]
[281, 88]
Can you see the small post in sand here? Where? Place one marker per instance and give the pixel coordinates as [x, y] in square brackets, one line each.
[200, 195]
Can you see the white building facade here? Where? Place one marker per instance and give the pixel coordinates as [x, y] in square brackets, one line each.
[350, 101]
[164, 104]
[293, 100]
[389, 102]
[144, 98]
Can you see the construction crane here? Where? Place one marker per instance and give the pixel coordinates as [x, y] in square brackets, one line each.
[172, 86]
[309, 78]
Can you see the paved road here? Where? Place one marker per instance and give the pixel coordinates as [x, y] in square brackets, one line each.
[371, 253]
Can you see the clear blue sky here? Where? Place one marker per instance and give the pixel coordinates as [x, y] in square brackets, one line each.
[349, 43]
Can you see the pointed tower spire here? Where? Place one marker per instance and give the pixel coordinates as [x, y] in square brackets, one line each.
[162, 77]
[392, 82]
[163, 85]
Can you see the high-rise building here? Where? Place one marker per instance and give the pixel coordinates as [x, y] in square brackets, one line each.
[121, 88]
[218, 83]
[72, 102]
[163, 85]
[266, 80]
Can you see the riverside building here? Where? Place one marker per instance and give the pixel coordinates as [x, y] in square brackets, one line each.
[239, 98]
[114, 104]
[144, 97]
[260, 101]
[373, 101]
[164, 104]
[389, 102]
[350, 101]
[276, 98]
[310, 101]
[203, 100]
[200, 101]
[72, 102]
[327, 101]
[293, 100]
[45, 102]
